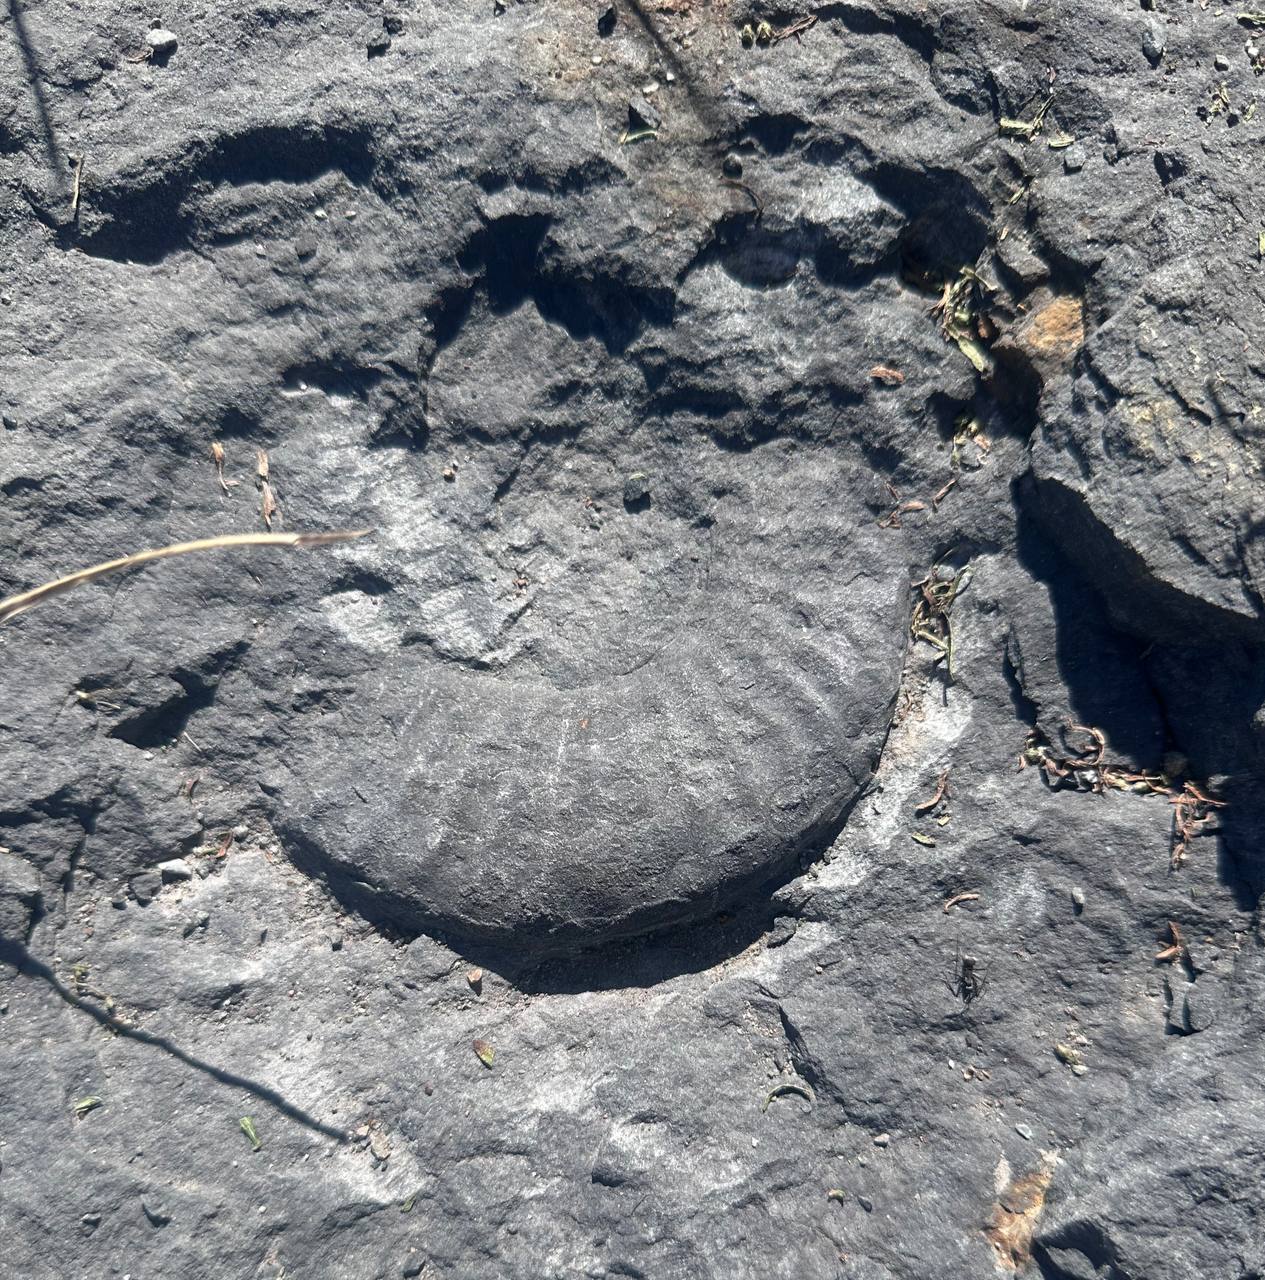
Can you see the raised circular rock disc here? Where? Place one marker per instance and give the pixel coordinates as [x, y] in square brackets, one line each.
[585, 718]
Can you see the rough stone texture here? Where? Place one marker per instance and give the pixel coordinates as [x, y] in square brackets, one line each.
[618, 703]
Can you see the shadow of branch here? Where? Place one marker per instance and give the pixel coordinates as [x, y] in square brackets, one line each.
[15, 954]
[37, 89]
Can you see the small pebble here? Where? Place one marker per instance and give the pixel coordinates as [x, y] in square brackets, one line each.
[1153, 42]
[320, 215]
[1079, 1069]
[866, 1203]
[1074, 158]
[162, 43]
[636, 487]
[1221, 62]
[652, 87]
[882, 1139]
[670, 77]
[1024, 1132]
[1078, 899]
[597, 60]
[175, 869]
[91, 1219]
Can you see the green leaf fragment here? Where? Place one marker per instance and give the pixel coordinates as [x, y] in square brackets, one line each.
[84, 1105]
[975, 354]
[1253, 19]
[406, 1206]
[803, 1090]
[248, 1128]
[637, 135]
[485, 1052]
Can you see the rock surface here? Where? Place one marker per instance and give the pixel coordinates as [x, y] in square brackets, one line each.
[660, 365]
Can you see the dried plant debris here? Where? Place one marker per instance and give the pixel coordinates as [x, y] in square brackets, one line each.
[1192, 809]
[765, 33]
[268, 505]
[795, 1086]
[1176, 949]
[939, 798]
[1026, 130]
[217, 456]
[887, 375]
[484, 1052]
[964, 319]
[933, 604]
[1087, 769]
[903, 507]
[83, 1105]
[247, 1126]
[959, 898]
[13, 605]
[970, 445]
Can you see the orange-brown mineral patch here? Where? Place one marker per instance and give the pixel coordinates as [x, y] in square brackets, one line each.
[1057, 331]
[1015, 1217]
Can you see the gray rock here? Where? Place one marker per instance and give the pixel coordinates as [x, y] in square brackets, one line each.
[175, 869]
[610, 756]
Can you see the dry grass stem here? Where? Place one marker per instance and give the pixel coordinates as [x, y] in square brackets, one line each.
[13, 605]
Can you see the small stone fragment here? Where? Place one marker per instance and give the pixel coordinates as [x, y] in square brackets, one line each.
[175, 869]
[732, 166]
[475, 979]
[636, 488]
[1221, 62]
[145, 886]
[1078, 899]
[162, 43]
[1024, 1132]
[866, 1203]
[156, 1213]
[882, 1139]
[1074, 158]
[1153, 42]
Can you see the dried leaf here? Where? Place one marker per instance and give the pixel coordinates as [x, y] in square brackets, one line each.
[248, 1128]
[942, 790]
[84, 1105]
[777, 1091]
[268, 503]
[976, 354]
[1065, 1053]
[13, 605]
[929, 841]
[485, 1052]
[959, 897]
[475, 979]
[885, 374]
[261, 464]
